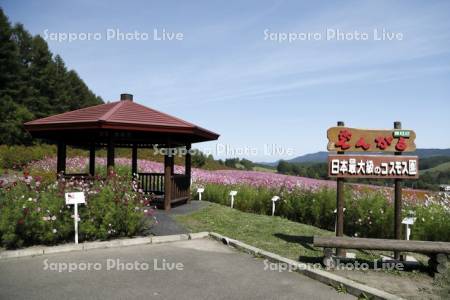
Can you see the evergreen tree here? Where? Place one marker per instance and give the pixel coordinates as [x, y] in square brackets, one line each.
[9, 59]
[12, 116]
[33, 83]
[23, 40]
[12, 113]
[284, 167]
[42, 76]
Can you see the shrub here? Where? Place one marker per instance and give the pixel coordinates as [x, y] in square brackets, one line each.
[34, 213]
[432, 223]
[15, 157]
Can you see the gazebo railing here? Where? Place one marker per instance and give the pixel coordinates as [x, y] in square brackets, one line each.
[154, 183]
[77, 176]
[151, 182]
[180, 187]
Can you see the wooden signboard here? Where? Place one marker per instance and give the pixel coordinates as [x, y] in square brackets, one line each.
[343, 139]
[373, 166]
[363, 140]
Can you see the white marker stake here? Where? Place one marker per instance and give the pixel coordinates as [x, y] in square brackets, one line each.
[408, 232]
[232, 194]
[335, 219]
[274, 199]
[200, 191]
[75, 199]
[408, 221]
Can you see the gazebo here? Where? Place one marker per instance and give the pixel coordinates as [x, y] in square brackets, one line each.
[126, 124]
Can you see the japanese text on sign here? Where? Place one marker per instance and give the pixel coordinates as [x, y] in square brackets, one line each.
[367, 166]
[361, 140]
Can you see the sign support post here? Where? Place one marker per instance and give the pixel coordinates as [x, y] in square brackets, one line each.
[75, 212]
[398, 203]
[340, 206]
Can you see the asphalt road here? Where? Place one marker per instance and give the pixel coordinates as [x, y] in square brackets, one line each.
[196, 269]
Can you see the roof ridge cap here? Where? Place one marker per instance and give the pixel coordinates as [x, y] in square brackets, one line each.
[110, 112]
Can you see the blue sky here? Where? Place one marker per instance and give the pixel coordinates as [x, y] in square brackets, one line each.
[225, 75]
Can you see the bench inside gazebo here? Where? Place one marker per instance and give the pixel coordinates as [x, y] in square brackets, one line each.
[126, 124]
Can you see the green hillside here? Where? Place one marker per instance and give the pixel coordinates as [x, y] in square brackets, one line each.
[444, 167]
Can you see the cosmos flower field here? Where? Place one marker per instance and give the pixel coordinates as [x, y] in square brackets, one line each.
[369, 210]
[229, 177]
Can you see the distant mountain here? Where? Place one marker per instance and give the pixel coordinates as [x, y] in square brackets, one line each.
[317, 157]
[426, 153]
[321, 156]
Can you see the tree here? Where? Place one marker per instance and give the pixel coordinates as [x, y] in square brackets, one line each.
[42, 77]
[248, 165]
[284, 167]
[12, 113]
[12, 116]
[297, 170]
[33, 83]
[9, 60]
[198, 159]
[23, 40]
[231, 162]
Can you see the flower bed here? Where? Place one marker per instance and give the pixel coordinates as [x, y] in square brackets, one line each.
[35, 213]
[223, 177]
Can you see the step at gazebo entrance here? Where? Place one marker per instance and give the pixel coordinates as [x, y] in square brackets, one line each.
[126, 124]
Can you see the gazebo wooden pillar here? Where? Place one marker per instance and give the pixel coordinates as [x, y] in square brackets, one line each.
[134, 154]
[110, 155]
[92, 159]
[168, 174]
[61, 157]
[126, 124]
[187, 169]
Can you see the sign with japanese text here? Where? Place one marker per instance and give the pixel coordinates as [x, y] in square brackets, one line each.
[373, 166]
[75, 198]
[365, 140]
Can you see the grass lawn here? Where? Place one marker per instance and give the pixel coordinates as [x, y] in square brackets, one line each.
[274, 234]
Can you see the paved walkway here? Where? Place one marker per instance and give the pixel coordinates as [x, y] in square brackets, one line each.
[166, 225]
[210, 270]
